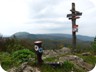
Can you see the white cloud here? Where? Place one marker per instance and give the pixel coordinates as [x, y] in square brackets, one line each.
[42, 16]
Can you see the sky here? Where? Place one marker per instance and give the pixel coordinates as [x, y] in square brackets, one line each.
[46, 16]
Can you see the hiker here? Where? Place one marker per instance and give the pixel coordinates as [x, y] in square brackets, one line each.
[39, 51]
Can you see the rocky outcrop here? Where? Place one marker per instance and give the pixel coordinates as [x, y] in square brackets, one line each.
[77, 61]
[24, 68]
[54, 53]
[64, 54]
[63, 50]
[61, 55]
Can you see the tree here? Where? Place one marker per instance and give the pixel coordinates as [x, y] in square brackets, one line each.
[2, 41]
[94, 46]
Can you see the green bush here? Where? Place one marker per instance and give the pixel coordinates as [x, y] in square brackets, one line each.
[23, 55]
[6, 60]
[16, 58]
[7, 64]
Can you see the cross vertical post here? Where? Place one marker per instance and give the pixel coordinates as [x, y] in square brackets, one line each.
[75, 15]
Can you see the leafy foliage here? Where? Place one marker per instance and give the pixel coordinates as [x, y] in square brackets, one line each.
[16, 58]
[23, 55]
[13, 44]
[15, 51]
[6, 60]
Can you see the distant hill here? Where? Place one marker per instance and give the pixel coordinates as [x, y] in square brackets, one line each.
[51, 36]
[24, 35]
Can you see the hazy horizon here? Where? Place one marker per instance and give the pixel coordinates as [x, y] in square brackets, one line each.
[41, 33]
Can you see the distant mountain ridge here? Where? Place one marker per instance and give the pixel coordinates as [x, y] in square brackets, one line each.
[51, 36]
[24, 35]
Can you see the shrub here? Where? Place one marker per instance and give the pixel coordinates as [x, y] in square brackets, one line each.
[23, 55]
[6, 60]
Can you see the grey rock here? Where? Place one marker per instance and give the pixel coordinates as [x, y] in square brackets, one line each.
[76, 60]
[55, 53]
[86, 54]
[24, 68]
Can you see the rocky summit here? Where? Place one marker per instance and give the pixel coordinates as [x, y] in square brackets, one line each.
[61, 55]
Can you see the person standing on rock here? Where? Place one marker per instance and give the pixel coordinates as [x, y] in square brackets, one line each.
[39, 51]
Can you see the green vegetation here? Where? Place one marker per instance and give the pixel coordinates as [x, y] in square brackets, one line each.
[89, 59]
[51, 59]
[14, 51]
[65, 67]
[94, 46]
[6, 60]
[23, 55]
[16, 58]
